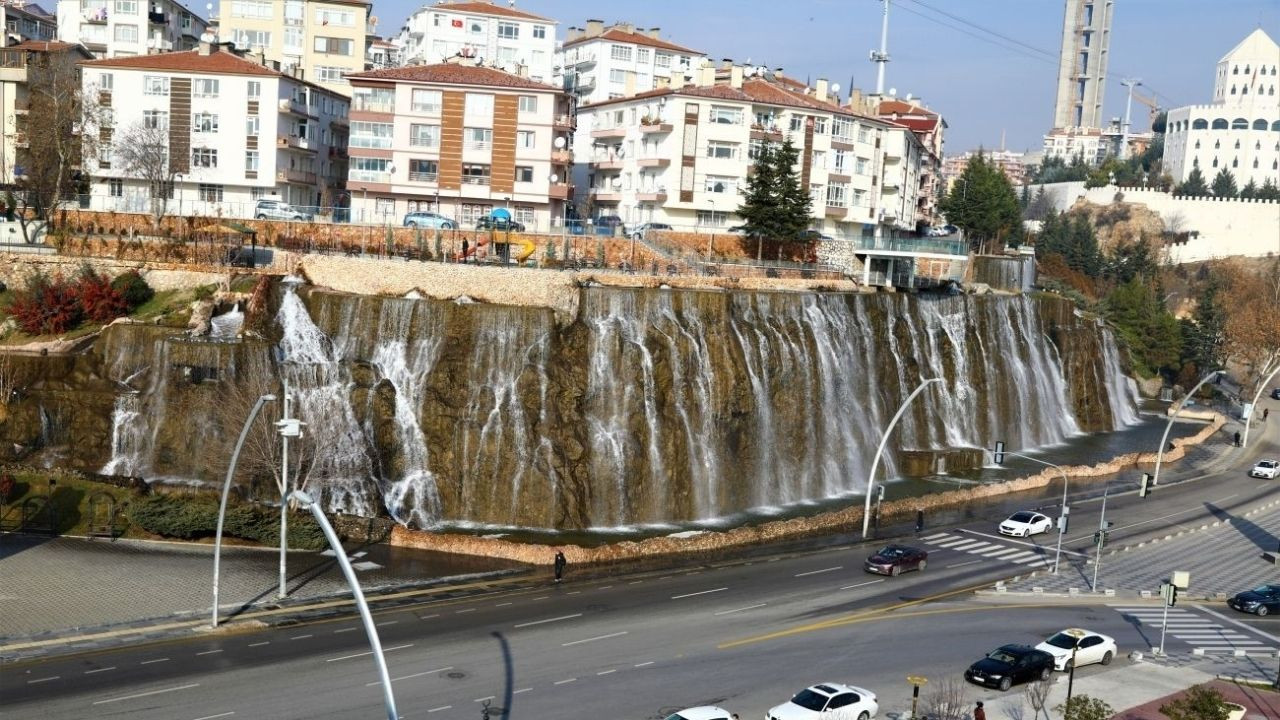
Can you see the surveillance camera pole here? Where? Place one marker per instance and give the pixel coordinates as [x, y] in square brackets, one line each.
[226, 490]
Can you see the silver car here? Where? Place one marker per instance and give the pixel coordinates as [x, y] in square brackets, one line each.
[279, 210]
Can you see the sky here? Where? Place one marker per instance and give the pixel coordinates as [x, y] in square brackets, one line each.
[984, 86]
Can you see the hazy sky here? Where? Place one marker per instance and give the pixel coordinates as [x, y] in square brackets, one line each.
[982, 84]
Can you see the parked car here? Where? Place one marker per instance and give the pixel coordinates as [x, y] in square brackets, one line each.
[1275, 394]
[277, 210]
[499, 223]
[1025, 523]
[895, 559]
[644, 228]
[951, 229]
[428, 220]
[1010, 665]
[1090, 647]
[1266, 469]
[812, 235]
[817, 700]
[610, 224]
[1260, 601]
[703, 712]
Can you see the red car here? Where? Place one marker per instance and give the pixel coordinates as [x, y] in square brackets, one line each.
[895, 559]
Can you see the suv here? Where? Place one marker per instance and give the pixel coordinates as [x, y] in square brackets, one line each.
[279, 210]
[499, 223]
[426, 219]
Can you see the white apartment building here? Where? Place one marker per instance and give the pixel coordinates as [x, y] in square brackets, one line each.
[498, 34]
[930, 129]
[324, 40]
[238, 132]
[1069, 143]
[23, 20]
[15, 94]
[458, 139]
[122, 28]
[681, 156]
[599, 63]
[1240, 129]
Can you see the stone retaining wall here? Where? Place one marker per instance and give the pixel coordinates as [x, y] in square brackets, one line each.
[15, 267]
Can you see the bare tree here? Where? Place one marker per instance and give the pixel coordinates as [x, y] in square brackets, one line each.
[143, 153]
[948, 700]
[1252, 328]
[1037, 694]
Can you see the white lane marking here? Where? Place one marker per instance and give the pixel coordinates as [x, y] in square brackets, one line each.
[386, 622]
[122, 698]
[703, 592]
[964, 545]
[549, 620]
[1006, 553]
[1009, 540]
[219, 715]
[665, 577]
[971, 562]
[607, 672]
[635, 582]
[573, 592]
[301, 637]
[55, 677]
[861, 584]
[606, 587]
[342, 630]
[950, 542]
[260, 644]
[521, 690]
[819, 572]
[1221, 500]
[644, 664]
[369, 652]
[486, 697]
[209, 652]
[1237, 623]
[502, 604]
[98, 670]
[438, 709]
[424, 617]
[935, 536]
[464, 610]
[148, 662]
[593, 639]
[749, 607]
[563, 682]
[407, 677]
[544, 597]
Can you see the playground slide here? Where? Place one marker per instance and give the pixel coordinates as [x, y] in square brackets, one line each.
[527, 249]
[471, 251]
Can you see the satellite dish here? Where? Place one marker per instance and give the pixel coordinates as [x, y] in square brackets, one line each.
[559, 143]
[619, 151]
[835, 87]
[555, 178]
[909, 97]
[893, 92]
[617, 182]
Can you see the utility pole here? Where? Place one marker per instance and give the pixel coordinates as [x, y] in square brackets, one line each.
[288, 427]
[1130, 83]
[881, 57]
[1101, 538]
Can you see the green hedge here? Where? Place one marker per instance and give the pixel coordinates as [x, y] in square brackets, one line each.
[189, 518]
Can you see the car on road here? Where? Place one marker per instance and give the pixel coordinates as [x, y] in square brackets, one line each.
[1090, 647]
[1025, 523]
[814, 236]
[1267, 469]
[1262, 600]
[702, 712]
[425, 219]
[499, 223]
[896, 559]
[277, 210]
[646, 228]
[1010, 665]
[820, 700]
[1275, 393]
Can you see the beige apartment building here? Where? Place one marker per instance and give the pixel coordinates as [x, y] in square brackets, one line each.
[324, 39]
[458, 139]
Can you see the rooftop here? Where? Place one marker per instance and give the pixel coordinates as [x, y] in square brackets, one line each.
[486, 7]
[617, 35]
[219, 61]
[454, 74]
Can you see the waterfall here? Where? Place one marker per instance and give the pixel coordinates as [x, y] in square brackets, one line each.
[128, 437]
[1121, 389]
[227, 325]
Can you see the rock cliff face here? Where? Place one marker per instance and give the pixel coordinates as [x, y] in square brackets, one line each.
[652, 406]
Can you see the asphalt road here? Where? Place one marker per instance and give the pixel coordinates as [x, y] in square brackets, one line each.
[745, 634]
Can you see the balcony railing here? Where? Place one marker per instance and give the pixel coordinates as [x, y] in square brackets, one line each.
[360, 104]
[563, 157]
[564, 122]
[915, 245]
[428, 177]
[560, 191]
[372, 176]
[296, 176]
[158, 18]
[609, 132]
[655, 126]
[473, 180]
[293, 141]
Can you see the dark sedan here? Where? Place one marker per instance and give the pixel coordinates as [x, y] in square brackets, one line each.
[1261, 600]
[499, 223]
[896, 559]
[1010, 665]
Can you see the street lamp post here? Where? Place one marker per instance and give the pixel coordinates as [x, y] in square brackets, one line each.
[305, 500]
[1102, 538]
[1062, 529]
[1075, 635]
[289, 427]
[1253, 407]
[226, 490]
[1155, 478]
[875, 462]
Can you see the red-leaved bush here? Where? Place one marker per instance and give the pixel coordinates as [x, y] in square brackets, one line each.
[101, 302]
[48, 306]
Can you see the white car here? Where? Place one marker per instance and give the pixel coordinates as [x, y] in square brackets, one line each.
[1092, 648]
[702, 712]
[1268, 469]
[1025, 523]
[833, 701]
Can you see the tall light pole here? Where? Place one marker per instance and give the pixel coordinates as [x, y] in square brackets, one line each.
[288, 427]
[1102, 538]
[304, 500]
[1244, 442]
[1155, 478]
[226, 489]
[875, 463]
[1130, 83]
[1062, 519]
[881, 57]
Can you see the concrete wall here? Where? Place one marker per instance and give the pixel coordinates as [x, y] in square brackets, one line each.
[1216, 228]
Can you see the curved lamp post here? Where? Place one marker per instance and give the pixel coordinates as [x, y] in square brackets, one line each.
[1155, 478]
[1057, 555]
[1261, 386]
[875, 463]
[226, 489]
[375, 645]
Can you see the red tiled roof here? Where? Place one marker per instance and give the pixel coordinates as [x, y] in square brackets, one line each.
[220, 62]
[454, 74]
[901, 107]
[635, 38]
[44, 46]
[486, 8]
[753, 90]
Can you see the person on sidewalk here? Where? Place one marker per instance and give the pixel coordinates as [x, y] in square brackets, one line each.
[979, 713]
[1265, 413]
[1237, 438]
[559, 564]
[466, 247]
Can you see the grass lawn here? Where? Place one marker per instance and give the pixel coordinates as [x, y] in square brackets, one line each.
[171, 307]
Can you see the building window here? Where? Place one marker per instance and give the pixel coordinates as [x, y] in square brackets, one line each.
[369, 169]
[293, 40]
[528, 103]
[523, 215]
[722, 150]
[251, 125]
[839, 161]
[524, 174]
[508, 31]
[155, 85]
[204, 157]
[422, 170]
[427, 136]
[371, 135]
[248, 39]
[662, 60]
[479, 106]
[332, 46]
[476, 27]
[618, 77]
[712, 218]
[425, 101]
[820, 125]
[477, 138]
[155, 119]
[384, 207]
[860, 166]
[254, 89]
[204, 88]
[374, 100]
[254, 9]
[329, 74]
[508, 55]
[842, 129]
[115, 187]
[642, 55]
[471, 214]
[106, 82]
[725, 115]
[755, 148]
[210, 193]
[863, 134]
[126, 7]
[837, 195]
[204, 123]
[251, 160]
[126, 33]
[475, 174]
[525, 139]
[720, 184]
[540, 32]
[620, 52]
[336, 18]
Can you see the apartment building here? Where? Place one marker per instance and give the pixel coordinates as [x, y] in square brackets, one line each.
[1012, 164]
[323, 39]
[16, 62]
[499, 35]
[929, 128]
[599, 63]
[458, 139]
[380, 54]
[238, 131]
[681, 155]
[123, 28]
[23, 20]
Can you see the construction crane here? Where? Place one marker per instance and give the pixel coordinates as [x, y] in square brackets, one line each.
[1150, 102]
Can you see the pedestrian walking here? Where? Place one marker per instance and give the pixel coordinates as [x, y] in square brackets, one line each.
[1265, 413]
[465, 247]
[1237, 438]
[979, 713]
[560, 563]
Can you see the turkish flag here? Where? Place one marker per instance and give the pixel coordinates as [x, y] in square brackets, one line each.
[457, 23]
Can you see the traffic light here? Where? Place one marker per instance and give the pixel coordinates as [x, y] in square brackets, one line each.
[999, 453]
[1173, 595]
[1145, 488]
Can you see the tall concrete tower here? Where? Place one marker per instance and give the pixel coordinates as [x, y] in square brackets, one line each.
[1082, 67]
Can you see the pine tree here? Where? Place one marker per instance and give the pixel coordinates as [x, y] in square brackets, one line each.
[793, 200]
[1269, 190]
[1194, 185]
[983, 203]
[1224, 185]
[759, 210]
[1249, 191]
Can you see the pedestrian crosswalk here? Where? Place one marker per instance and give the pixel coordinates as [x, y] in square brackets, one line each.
[1026, 555]
[1194, 629]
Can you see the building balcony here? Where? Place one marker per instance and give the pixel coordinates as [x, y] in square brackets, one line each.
[424, 177]
[562, 157]
[296, 176]
[293, 142]
[95, 17]
[289, 105]
[359, 104]
[369, 176]
[340, 122]
[475, 180]
[560, 191]
[658, 195]
[564, 123]
[837, 211]
[653, 162]
[606, 195]
[656, 127]
[605, 163]
[766, 132]
[158, 18]
[337, 152]
[613, 132]
[584, 61]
